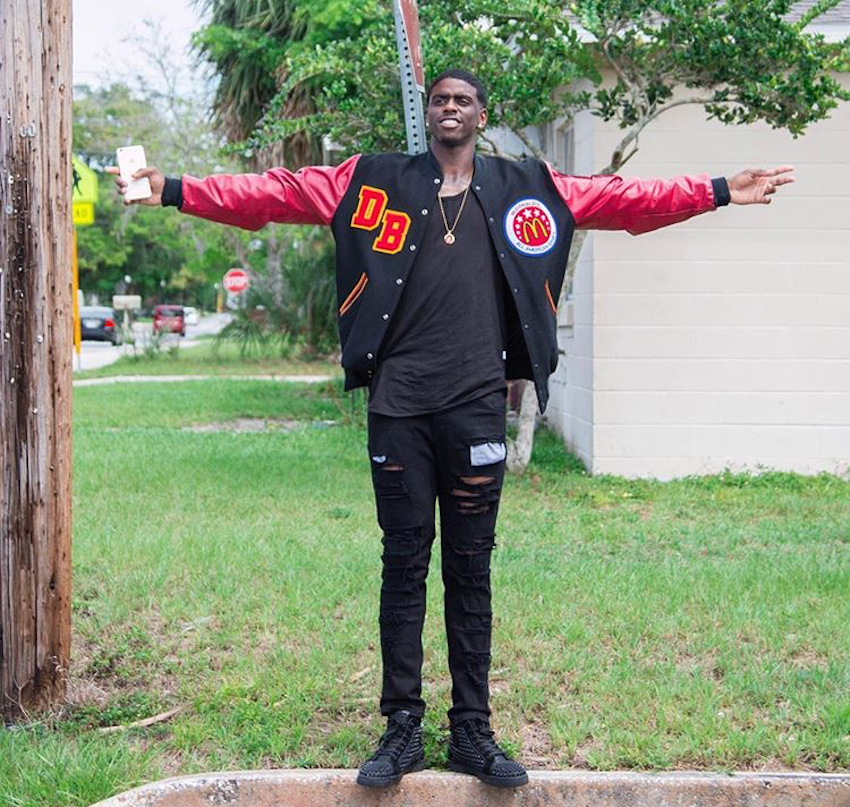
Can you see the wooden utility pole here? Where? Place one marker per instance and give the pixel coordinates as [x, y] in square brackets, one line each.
[35, 352]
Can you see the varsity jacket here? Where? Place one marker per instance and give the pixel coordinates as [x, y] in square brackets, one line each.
[377, 207]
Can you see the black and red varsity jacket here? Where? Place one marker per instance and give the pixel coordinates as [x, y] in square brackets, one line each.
[377, 207]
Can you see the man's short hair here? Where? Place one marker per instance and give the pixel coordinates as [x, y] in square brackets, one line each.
[463, 75]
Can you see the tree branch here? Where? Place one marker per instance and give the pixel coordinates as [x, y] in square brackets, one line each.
[666, 107]
[617, 160]
[816, 11]
[528, 144]
[493, 147]
[616, 67]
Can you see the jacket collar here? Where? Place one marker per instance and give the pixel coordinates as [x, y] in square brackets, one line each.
[433, 171]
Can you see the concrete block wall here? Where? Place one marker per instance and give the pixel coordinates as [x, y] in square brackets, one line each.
[724, 341]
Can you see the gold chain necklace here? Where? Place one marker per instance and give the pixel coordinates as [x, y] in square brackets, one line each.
[449, 237]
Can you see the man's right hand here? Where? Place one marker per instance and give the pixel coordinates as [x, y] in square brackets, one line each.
[157, 180]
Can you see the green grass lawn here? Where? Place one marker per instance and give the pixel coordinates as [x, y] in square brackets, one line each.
[207, 359]
[703, 623]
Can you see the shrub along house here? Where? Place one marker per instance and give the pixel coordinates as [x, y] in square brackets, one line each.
[722, 342]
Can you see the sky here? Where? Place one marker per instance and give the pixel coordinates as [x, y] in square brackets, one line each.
[101, 26]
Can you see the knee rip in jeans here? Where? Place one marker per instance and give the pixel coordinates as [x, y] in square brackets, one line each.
[384, 464]
[403, 540]
[470, 563]
[401, 545]
[474, 552]
[404, 571]
[476, 495]
[388, 481]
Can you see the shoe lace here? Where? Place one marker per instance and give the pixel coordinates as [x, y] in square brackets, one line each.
[393, 740]
[483, 735]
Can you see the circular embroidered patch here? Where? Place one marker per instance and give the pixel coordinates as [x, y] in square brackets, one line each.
[530, 227]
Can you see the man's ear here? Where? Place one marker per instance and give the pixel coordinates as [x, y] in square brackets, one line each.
[482, 118]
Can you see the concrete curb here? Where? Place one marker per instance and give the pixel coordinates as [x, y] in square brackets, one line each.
[140, 379]
[337, 788]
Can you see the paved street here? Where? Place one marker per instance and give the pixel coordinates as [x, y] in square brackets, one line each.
[100, 354]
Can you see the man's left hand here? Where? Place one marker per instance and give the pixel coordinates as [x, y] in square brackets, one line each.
[755, 186]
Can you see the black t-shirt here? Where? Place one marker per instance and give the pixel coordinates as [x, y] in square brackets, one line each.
[445, 345]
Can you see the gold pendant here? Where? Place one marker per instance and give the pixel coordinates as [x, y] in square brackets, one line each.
[449, 238]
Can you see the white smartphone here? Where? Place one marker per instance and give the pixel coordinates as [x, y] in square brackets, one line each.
[130, 160]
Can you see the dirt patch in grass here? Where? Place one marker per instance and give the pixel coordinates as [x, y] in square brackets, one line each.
[254, 425]
[117, 676]
[537, 748]
[583, 753]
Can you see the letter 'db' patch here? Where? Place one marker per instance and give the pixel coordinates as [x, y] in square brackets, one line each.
[530, 228]
[371, 211]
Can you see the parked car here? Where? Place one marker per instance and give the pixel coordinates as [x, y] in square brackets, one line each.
[97, 322]
[191, 315]
[169, 318]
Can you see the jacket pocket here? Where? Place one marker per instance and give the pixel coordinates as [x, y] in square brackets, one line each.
[354, 294]
[549, 298]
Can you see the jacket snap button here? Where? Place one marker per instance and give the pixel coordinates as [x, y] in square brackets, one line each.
[436, 181]
[478, 187]
[491, 219]
[398, 281]
[413, 247]
[525, 326]
[516, 291]
[370, 356]
[424, 211]
[386, 316]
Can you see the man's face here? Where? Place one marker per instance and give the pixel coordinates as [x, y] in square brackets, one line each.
[454, 112]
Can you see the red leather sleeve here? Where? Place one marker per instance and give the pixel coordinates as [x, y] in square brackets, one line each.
[308, 196]
[635, 205]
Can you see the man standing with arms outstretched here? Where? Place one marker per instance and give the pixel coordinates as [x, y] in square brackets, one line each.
[449, 266]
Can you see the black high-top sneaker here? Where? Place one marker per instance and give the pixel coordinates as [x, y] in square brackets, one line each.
[472, 749]
[399, 752]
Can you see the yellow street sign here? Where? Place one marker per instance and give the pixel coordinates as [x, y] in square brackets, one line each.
[84, 183]
[83, 213]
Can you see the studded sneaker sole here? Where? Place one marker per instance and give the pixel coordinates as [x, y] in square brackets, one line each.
[495, 781]
[399, 751]
[390, 779]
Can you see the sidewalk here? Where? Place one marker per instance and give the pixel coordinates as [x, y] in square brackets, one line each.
[95, 355]
[337, 788]
[140, 379]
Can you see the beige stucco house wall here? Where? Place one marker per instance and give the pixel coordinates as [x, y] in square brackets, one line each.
[722, 342]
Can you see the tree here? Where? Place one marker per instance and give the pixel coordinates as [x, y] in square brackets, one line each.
[741, 60]
[356, 96]
[151, 248]
[246, 45]
[187, 254]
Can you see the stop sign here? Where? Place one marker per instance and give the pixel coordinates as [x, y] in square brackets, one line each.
[236, 280]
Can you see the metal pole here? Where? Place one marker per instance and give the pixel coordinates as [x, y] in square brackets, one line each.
[75, 303]
[414, 118]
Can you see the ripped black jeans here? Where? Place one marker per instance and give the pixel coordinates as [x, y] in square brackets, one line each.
[457, 457]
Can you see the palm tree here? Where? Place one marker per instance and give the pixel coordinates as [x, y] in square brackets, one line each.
[245, 43]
